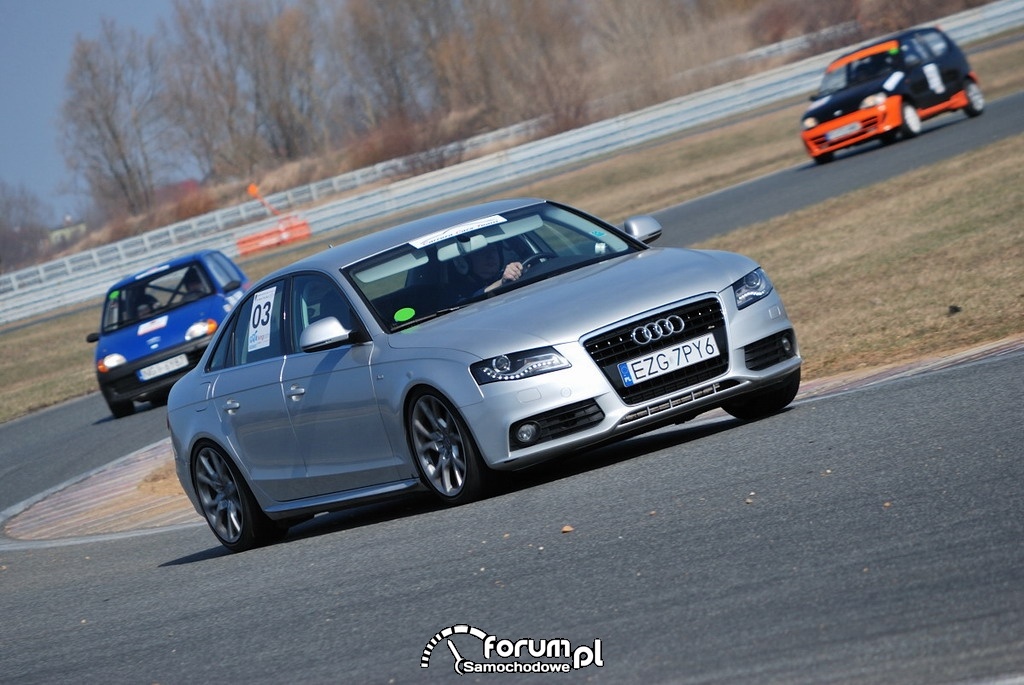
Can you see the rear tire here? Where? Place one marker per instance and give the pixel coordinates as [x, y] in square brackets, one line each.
[824, 158]
[762, 403]
[443, 449]
[227, 503]
[975, 99]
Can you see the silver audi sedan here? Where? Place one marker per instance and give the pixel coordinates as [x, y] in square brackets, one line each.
[439, 353]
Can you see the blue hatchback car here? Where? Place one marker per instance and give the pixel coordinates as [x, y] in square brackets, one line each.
[157, 323]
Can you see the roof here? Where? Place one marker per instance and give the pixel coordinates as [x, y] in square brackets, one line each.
[167, 265]
[883, 44]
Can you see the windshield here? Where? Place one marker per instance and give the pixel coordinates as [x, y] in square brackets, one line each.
[154, 293]
[861, 67]
[484, 258]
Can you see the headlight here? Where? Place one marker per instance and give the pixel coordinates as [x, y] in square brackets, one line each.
[110, 361]
[513, 367]
[754, 286]
[810, 122]
[200, 329]
[876, 100]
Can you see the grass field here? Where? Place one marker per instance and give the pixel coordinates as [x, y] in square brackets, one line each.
[928, 263]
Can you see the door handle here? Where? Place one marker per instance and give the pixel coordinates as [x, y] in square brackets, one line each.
[296, 391]
[231, 406]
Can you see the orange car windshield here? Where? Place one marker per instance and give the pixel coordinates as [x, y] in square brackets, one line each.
[861, 66]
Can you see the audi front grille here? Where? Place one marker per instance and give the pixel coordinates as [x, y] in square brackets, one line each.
[617, 345]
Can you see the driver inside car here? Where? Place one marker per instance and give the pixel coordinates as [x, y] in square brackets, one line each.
[487, 271]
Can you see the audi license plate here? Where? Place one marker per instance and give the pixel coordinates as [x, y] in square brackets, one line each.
[164, 367]
[668, 359]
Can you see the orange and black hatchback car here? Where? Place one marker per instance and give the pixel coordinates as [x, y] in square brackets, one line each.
[884, 91]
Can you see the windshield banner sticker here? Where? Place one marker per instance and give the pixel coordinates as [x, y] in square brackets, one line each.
[453, 231]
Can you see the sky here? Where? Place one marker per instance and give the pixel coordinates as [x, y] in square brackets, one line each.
[36, 41]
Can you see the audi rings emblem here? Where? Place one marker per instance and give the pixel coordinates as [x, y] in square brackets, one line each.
[656, 330]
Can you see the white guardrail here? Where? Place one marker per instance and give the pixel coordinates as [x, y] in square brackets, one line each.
[86, 275]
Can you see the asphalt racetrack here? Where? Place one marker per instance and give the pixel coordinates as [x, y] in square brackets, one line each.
[870, 534]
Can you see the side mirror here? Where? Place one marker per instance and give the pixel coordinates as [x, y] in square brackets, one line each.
[232, 285]
[92, 337]
[646, 229]
[323, 335]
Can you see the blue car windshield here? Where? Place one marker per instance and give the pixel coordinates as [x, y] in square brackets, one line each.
[154, 293]
[457, 265]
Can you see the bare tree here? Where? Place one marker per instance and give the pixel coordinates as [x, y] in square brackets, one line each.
[243, 84]
[279, 52]
[520, 60]
[23, 233]
[210, 89]
[111, 120]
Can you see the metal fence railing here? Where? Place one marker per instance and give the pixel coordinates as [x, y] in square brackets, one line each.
[86, 275]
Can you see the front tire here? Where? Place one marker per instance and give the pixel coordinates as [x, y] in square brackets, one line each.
[762, 403]
[443, 449]
[227, 503]
[911, 124]
[121, 409]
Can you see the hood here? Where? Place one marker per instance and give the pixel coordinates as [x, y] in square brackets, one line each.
[848, 99]
[562, 308]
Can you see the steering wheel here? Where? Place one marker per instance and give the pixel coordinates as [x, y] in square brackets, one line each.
[534, 258]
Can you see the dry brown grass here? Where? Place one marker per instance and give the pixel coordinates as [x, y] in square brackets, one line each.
[678, 170]
[868, 277]
[927, 263]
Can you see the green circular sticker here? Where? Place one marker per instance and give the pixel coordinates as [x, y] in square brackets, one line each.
[404, 314]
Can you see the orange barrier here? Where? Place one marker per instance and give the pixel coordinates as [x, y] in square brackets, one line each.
[289, 229]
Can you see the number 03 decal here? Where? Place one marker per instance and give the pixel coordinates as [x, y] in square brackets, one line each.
[259, 319]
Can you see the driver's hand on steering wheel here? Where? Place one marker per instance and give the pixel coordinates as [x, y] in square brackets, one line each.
[513, 271]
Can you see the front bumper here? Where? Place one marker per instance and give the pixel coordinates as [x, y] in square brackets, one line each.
[854, 128]
[585, 404]
[123, 384]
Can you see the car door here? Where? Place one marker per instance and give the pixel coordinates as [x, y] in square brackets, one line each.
[924, 76]
[246, 394]
[330, 398]
[950, 61]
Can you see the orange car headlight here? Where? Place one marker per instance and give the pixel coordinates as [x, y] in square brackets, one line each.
[876, 100]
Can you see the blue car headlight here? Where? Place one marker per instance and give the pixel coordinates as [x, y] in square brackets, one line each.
[753, 287]
[200, 329]
[518, 365]
[111, 361]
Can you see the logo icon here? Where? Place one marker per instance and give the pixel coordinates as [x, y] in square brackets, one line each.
[525, 655]
[656, 330]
